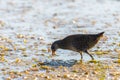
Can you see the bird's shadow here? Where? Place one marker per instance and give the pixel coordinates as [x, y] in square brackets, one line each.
[57, 63]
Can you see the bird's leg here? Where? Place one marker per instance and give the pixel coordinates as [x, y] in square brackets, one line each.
[89, 54]
[81, 55]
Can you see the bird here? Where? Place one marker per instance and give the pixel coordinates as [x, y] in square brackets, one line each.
[78, 42]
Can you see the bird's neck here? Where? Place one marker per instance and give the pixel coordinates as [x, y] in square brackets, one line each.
[62, 45]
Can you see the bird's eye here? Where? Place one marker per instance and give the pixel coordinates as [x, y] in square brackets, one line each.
[52, 47]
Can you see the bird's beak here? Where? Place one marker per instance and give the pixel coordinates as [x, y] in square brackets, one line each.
[53, 52]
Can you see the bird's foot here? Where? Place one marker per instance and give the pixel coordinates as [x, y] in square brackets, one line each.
[92, 59]
[80, 61]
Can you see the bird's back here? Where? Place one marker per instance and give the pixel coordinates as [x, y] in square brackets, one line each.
[81, 42]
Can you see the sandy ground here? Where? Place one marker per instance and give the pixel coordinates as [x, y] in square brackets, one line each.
[28, 27]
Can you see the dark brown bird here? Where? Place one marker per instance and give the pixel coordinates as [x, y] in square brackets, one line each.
[79, 43]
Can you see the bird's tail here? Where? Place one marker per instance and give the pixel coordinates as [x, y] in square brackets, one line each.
[100, 34]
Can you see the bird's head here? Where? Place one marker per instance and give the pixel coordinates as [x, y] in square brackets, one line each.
[55, 46]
